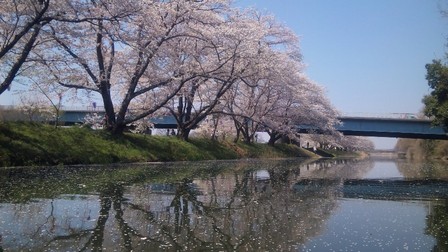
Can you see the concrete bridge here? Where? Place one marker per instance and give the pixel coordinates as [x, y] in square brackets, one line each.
[391, 127]
[355, 126]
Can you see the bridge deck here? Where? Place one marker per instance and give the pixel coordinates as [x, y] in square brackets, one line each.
[358, 126]
[391, 127]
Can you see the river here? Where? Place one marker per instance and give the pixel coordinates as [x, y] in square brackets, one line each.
[246, 205]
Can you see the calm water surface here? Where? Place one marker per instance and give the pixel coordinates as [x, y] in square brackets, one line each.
[274, 205]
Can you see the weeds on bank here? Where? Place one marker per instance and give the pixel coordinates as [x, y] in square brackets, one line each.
[27, 144]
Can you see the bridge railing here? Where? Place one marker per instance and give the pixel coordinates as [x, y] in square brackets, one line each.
[84, 108]
[402, 115]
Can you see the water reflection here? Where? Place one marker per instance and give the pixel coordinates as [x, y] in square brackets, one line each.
[437, 224]
[272, 205]
[423, 170]
[374, 225]
[384, 169]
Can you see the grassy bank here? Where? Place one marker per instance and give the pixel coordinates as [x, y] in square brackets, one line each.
[420, 149]
[40, 144]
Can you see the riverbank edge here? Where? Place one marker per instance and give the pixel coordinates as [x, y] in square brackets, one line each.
[35, 144]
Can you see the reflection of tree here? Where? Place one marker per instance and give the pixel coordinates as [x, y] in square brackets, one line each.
[338, 168]
[437, 224]
[237, 212]
[246, 218]
[111, 197]
[437, 219]
[423, 170]
[97, 235]
[231, 213]
[223, 211]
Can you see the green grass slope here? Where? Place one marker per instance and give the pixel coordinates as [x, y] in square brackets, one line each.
[27, 144]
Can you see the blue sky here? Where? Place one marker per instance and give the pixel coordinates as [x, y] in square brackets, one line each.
[370, 55]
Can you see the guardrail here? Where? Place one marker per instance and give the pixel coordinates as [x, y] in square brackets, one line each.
[403, 115]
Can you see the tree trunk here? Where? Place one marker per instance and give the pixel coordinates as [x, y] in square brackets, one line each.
[271, 141]
[110, 122]
[286, 140]
[273, 137]
[183, 133]
[247, 133]
[246, 138]
[215, 127]
[237, 137]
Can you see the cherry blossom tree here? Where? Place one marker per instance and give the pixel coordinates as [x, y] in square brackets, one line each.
[139, 56]
[50, 99]
[189, 59]
[339, 141]
[216, 127]
[20, 25]
[357, 143]
[278, 99]
[249, 105]
[34, 108]
[235, 48]
[272, 94]
[258, 92]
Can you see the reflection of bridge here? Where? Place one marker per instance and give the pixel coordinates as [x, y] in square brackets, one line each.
[380, 188]
[357, 126]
